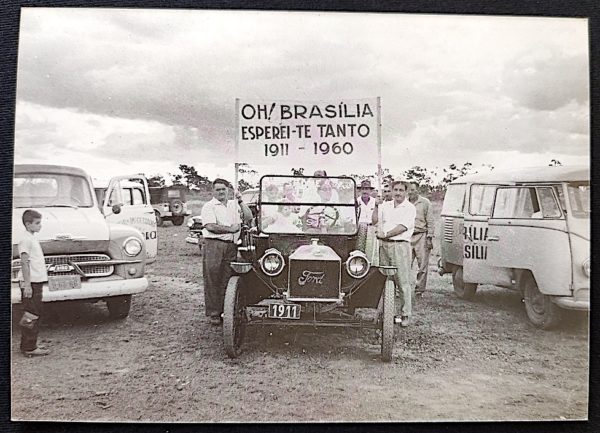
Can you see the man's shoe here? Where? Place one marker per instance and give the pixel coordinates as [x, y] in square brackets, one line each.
[36, 352]
[397, 319]
[405, 321]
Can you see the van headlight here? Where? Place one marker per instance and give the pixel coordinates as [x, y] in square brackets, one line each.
[587, 267]
[357, 264]
[132, 246]
[272, 262]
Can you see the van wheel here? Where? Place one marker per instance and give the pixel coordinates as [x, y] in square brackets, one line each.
[159, 220]
[463, 290]
[118, 306]
[177, 221]
[541, 311]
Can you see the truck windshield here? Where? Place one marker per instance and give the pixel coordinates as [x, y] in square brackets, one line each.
[51, 190]
[310, 205]
[579, 198]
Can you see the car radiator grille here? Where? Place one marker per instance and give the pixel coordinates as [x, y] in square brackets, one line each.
[314, 279]
[448, 228]
[82, 260]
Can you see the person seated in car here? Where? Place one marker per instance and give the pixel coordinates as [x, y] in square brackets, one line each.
[268, 212]
[285, 221]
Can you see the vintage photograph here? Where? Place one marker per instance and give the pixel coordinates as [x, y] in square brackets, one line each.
[290, 216]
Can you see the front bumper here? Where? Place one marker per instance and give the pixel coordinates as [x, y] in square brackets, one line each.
[102, 287]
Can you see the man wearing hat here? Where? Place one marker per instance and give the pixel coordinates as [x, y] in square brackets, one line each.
[366, 202]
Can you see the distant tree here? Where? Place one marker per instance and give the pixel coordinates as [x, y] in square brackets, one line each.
[193, 180]
[176, 179]
[554, 163]
[156, 180]
[420, 175]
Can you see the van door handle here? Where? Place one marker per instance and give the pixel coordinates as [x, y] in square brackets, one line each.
[493, 238]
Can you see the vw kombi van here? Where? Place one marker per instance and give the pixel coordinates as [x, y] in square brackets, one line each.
[524, 229]
[89, 255]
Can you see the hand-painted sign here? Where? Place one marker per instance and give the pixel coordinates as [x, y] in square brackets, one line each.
[291, 132]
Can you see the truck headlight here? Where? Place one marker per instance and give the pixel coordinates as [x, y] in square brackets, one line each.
[587, 267]
[357, 264]
[190, 222]
[132, 246]
[272, 262]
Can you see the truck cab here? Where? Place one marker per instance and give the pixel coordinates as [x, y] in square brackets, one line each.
[88, 257]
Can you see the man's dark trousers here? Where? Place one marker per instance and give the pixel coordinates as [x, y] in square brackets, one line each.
[217, 256]
[34, 306]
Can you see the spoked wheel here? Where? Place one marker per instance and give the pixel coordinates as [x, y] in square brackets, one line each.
[541, 311]
[463, 290]
[387, 325]
[234, 321]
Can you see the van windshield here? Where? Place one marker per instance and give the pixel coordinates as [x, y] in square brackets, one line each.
[51, 190]
[579, 198]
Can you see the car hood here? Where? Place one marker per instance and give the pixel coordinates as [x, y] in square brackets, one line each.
[85, 227]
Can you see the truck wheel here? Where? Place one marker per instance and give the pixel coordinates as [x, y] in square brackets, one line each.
[361, 237]
[177, 220]
[463, 290]
[541, 311]
[387, 326]
[159, 220]
[176, 207]
[234, 322]
[118, 306]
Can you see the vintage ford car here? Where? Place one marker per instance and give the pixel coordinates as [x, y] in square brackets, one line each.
[304, 264]
[87, 257]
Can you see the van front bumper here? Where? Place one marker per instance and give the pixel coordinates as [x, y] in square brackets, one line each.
[581, 301]
[102, 287]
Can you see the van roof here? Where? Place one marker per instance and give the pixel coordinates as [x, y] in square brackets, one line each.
[529, 174]
[46, 168]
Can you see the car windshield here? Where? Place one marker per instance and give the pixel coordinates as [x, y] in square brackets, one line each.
[579, 198]
[310, 205]
[51, 190]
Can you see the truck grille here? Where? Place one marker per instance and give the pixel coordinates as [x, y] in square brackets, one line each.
[448, 228]
[84, 261]
[314, 279]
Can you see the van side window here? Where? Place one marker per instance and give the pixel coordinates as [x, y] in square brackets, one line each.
[548, 202]
[481, 200]
[454, 199]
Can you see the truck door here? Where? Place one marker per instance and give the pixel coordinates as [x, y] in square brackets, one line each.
[528, 230]
[131, 192]
[476, 267]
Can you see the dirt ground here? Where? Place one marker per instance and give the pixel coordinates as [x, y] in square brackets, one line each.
[459, 360]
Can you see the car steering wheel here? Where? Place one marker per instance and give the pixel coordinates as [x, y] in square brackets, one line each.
[330, 213]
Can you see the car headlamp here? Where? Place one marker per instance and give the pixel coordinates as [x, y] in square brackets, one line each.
[132, 246]
[587, 267]
[190, 222]
[357, 264]
[272, 262]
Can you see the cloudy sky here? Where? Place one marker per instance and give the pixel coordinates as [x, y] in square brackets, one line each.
[118, 91]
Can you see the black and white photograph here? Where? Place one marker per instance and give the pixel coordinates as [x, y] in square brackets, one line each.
[233, 216]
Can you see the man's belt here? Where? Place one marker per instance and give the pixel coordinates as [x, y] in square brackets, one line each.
[394, 240]
[217, 239]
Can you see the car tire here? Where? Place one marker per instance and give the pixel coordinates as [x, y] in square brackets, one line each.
[361, 237]
[461, 289]
[234, 321]
[176, 207]
[159, 219]
[387, 325]
[118, 306]
[540, 309]
[177, 220]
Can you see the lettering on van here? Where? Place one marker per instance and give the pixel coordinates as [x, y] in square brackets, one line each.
[472, 249]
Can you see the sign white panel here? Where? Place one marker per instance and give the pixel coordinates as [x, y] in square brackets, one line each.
[296, 133]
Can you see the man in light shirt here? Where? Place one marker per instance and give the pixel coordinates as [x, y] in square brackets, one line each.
[394, 231]
[222, 219]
